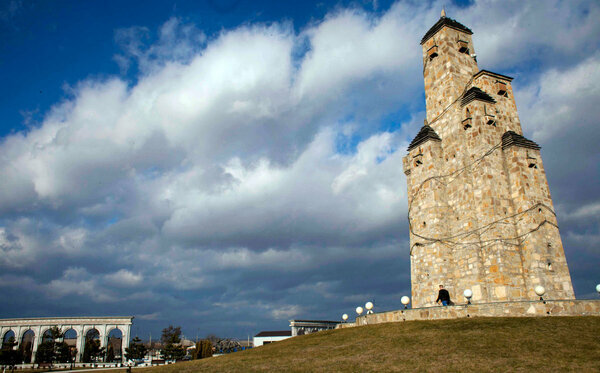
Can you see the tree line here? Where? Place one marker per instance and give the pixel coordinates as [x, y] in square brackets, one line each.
[171, 347]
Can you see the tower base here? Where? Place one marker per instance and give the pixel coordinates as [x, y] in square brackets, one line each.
[568, 307]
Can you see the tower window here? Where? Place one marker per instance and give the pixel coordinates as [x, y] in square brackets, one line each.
[467, 122]
[490, 119]
[463, 46]
[432, 52]
[532, 161]
[501, 88]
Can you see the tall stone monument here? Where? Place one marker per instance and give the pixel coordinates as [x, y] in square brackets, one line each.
[480, 212]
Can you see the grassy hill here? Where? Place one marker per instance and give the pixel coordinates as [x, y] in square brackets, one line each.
[478, 344]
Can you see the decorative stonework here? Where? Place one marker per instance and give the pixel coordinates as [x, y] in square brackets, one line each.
[480, 212]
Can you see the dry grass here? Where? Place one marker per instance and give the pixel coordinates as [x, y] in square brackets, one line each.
[483, 345]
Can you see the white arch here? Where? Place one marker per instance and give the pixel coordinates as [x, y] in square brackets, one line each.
[25, 330]
[66, 329]
[5, 333]
[22, 342]
[110, 329]
[45, 329]
[87, 329]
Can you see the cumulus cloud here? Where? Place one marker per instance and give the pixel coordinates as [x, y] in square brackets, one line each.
[124, 277]
[254, 174]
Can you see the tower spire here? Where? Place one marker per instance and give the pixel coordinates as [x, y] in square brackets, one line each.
[444, 12]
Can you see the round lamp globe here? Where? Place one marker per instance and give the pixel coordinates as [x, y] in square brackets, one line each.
[405, 300]
[539, 290]
[369, 305]
[468, 293]
[345, 317]
[598, 288]
[359, 310]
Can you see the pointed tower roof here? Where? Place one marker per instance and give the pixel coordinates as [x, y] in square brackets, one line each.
[511, 138]
[445, 21]
[475, 93]
[426, 133]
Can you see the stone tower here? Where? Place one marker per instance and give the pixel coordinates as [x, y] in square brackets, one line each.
[480, 212]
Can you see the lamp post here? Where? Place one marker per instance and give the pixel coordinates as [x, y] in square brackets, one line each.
[598, 289]
[468, 294]
[405, 301]
[369, 307]
[540, 290]
[359, 310]
[345, 317]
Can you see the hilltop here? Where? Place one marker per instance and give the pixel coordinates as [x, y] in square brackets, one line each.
[477, 344]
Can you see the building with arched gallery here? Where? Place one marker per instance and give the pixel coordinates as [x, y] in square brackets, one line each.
[30, 333]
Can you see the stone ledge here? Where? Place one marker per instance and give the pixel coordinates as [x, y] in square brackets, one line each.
[567, 307]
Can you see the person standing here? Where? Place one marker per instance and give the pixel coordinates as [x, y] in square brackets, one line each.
[443, 296]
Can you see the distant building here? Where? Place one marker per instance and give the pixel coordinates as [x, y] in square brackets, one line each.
[298, 327]
[301, 327]
[266, 337]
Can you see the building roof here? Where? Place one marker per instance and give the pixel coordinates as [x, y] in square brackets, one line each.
[445, 21]
[426, 133]
[317, 321]
[276, 333]
[475, 93]
[512, 138]
[495, 75]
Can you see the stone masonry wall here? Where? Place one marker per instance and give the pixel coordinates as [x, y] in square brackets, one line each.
[481, 217]
[498, 309]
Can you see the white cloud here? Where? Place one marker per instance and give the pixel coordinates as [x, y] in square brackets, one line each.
[286, 312]
[559, 97]
[124, 277]
[79, 282]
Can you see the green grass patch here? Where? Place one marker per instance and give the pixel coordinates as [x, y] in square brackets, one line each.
[549, 344]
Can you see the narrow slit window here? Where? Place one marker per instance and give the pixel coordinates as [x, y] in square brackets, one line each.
[467, 122]
[501, 88]
[463, 46]
[532, 161]
[432, 52]
[490, 119]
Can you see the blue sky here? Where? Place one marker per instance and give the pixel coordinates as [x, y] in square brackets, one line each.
[227, 166]
[52, 44]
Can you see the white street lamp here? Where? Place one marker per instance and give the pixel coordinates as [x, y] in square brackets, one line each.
[598, 289]
[468, 294]
[405, 301]
[540, 290]
[369, 307]
[359, 310]
[345, 317]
